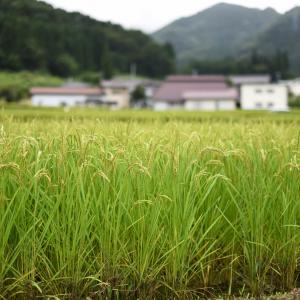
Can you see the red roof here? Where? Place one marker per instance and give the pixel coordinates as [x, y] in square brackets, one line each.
[175, 87]
[66, 91]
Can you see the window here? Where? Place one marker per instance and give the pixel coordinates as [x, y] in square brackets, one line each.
[258, 91]
[270, 91]
[270, 104]
[258, 105]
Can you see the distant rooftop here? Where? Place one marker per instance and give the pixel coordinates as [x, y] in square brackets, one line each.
[196, 78]
[227, 94]
[65, 91]
[129, 84]
[250, 79]
[176, 87]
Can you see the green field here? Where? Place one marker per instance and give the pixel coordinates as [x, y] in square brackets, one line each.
[143, 205]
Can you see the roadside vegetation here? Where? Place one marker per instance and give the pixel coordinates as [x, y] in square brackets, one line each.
[143, 205]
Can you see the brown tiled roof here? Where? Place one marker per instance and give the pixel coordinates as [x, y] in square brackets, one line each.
[66, 91]
[174, 88]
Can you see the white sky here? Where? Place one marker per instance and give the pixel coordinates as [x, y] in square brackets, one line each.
[151, 15]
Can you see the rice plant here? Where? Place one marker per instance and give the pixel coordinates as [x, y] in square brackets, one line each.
[142, 205]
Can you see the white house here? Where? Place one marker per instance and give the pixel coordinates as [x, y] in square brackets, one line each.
[67, 96]
[264, 97]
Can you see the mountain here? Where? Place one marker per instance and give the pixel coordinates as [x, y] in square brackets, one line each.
[223, 30]
[284, 35]
[35, 36]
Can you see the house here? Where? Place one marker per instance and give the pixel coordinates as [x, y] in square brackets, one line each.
[117, 91]
[239, 80]
[73, 96]
[264, 97]
[195, 92]
[120, 90]
[67, 96]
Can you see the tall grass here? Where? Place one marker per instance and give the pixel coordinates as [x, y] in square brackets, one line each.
[106, 206]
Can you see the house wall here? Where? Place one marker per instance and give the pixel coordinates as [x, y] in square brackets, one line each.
[161, 106]
[227, 104]
[120, 96]
[264, 97]
[58, 100]
[192, 104]
[210, 105]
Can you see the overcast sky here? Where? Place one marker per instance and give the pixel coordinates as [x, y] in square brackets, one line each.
[151, 15]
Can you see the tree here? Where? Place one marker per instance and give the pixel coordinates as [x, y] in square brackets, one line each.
[106, 63]
[64, 66]
[35, 36]
[138, 95]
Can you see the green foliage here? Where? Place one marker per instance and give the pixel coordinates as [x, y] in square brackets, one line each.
[16, 86]
[64, 66]
[138, 94]
[216, 33]
[35, 36]
[277, 66]
[295, 102]
[144, 205]
[106, 63]
[283, 35]
[92, 78]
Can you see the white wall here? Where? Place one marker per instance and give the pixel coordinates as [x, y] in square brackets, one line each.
[200, 105]
[210, 105]
[206, 105]
[58, 100]
[161, 106]
[227, 105]
[264, 97]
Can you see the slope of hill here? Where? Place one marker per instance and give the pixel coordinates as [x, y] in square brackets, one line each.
[223, 30]
[35, 36]
[284, 35]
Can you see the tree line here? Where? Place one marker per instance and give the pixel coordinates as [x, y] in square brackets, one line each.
[277, 65]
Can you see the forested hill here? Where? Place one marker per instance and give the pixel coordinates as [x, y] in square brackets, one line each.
[283, 35]
[35, 36]
[221, 31]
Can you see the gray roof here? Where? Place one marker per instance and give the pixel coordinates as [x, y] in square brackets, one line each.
[250, 79]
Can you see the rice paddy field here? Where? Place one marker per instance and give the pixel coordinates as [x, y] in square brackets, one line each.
[143, 205]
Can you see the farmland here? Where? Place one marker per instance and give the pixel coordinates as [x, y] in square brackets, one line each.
[137, 204]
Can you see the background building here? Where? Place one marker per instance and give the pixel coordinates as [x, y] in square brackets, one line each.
[66, 96]
[195, 92]
[264, 97]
